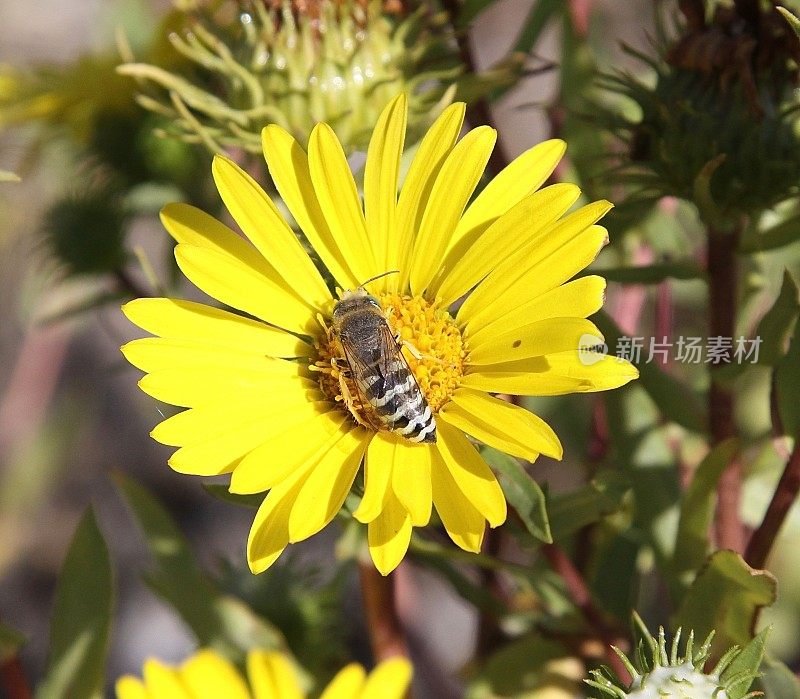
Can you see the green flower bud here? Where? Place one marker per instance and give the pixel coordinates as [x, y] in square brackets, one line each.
[333, 62]
[662, 673]
[719, 123]
[85, 233]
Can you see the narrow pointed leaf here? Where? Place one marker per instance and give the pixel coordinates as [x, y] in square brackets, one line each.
[216, 620]
[81, 619]
[745, 663]
[697, 508]
[522, 493]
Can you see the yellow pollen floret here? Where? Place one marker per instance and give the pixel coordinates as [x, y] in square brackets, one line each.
[432, 346]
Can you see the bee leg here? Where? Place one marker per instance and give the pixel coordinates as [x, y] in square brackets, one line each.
[350, 403]
[342, 367]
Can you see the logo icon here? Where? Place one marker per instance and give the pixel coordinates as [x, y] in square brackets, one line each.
[591, 349]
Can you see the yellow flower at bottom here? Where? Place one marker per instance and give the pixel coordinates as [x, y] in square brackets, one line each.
[271, 397]
[270, 675]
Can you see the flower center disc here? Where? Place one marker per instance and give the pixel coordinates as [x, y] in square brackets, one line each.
[434, 338]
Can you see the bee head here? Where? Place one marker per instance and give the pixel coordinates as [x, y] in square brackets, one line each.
[352, 300]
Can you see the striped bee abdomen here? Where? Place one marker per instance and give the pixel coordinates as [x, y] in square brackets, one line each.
[398, 401]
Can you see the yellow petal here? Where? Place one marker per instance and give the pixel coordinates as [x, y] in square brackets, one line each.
[579, 298]
[377, 475]
[208, 675]
[272, 676]
[422, 173]
[463, 523]
[288, 448]
[254, 290]
[389, 535]
[533, 340]
[220, 453]
[411, 480]
[389, 680]
[288, 167]
[347, 684]
[262, 223]
[471, 473]
[269, 535]
[552, 375]
[198, 425]
[521, 177]
[163, 681]
[519, 280]
[187, 320]
[454, 185]
[326, 488]
[159, 353]
[338, 197]
[474, 257]
[380, 185]
[128, 687]
[501, 425]
[195, 385]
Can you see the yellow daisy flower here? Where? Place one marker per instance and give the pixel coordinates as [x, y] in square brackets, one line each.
[270, 399]
[270, 675]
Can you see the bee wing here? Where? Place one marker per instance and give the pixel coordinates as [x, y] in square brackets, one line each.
[388, 371]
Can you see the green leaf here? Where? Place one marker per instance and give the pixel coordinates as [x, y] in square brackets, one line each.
[11, 641]
[539, 16]
[777, 680]
[216, 620]
[778, 236]
[526, 667]
[589, 503]
[745, 665]
[787, 382]
[522, 492]
[697, 508]
[791, 19]
[470, 9]
[726, 596]
[221, 492]
[651, 274]
[776, 325]
[81, 620]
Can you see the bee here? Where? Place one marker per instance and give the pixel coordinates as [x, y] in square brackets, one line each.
[388, 393]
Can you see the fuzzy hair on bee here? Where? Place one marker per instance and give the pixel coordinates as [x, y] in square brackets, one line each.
[388, 394]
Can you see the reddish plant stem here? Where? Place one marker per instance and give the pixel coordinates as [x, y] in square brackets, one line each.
[763, 538]
[722, 276]
[579, 592]
[383, 623]
[13, 680]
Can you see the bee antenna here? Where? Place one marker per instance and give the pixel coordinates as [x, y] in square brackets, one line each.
[378, 276]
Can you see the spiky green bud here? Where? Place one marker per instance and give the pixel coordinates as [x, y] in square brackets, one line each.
[85, 233]
[339, 62]
[659, 672]
[718, 122]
